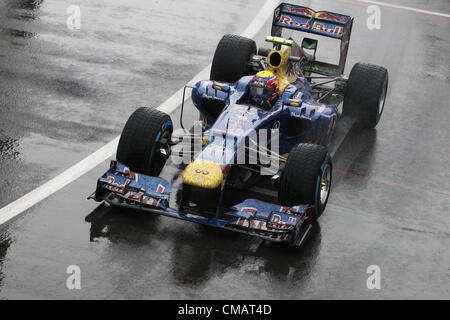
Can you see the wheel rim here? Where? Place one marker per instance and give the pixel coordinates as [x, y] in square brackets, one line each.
[382, 101]
[325, 184]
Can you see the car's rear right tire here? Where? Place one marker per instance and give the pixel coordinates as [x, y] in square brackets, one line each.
[306, 178]
[230, 62]
[365, 93]
[144, 145]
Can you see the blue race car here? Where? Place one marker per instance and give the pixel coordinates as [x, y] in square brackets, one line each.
[267, 123]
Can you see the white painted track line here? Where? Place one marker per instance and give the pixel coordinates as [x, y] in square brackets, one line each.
[379, 3]
[30, 199]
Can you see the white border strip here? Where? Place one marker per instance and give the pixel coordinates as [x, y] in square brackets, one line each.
[73, 173]
[406, 8]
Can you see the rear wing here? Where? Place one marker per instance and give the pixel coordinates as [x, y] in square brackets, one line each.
[324, 23]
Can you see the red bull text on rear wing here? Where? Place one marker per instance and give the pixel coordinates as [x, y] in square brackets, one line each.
[305, 19]
[324, 23]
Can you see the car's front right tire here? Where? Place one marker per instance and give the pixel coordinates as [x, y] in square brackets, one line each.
[306, 178]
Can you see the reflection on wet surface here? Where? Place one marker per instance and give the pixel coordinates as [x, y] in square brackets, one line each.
[120, 225]
[359, 147]
[200, 254]
[5, 242]
[25, 10]
[11, 10]
[8, 147]
[19, 33]
[24, 4]
[15, 32]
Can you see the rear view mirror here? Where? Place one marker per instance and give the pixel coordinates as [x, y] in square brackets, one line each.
[221, 87]
[292, 102]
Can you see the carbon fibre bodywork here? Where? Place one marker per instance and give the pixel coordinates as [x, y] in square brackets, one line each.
[297, 116]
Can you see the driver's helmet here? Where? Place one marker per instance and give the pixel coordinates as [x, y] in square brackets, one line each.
[264, 89]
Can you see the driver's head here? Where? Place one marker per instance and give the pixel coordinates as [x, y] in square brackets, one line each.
[264, 89]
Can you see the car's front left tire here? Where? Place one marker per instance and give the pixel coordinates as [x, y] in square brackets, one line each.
[144, 145]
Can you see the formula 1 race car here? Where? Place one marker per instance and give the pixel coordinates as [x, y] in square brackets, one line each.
[296, 128]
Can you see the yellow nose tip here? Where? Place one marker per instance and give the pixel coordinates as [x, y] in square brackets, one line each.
[204, 174]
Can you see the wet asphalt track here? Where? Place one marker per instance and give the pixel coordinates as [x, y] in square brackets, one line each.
[64, 94]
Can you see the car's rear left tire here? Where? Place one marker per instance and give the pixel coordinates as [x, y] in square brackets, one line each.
[306, 178]
[144, 145]
[230, 62]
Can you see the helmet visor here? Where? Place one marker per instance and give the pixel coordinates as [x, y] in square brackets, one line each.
[258, 91]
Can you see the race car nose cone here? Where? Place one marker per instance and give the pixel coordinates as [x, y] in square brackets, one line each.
[203, 173]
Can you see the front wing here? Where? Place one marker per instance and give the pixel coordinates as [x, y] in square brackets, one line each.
[119, 186]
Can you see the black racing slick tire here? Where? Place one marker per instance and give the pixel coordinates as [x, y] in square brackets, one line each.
[306, 178]
[230, 62]
[144, 145]
[365, 93]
